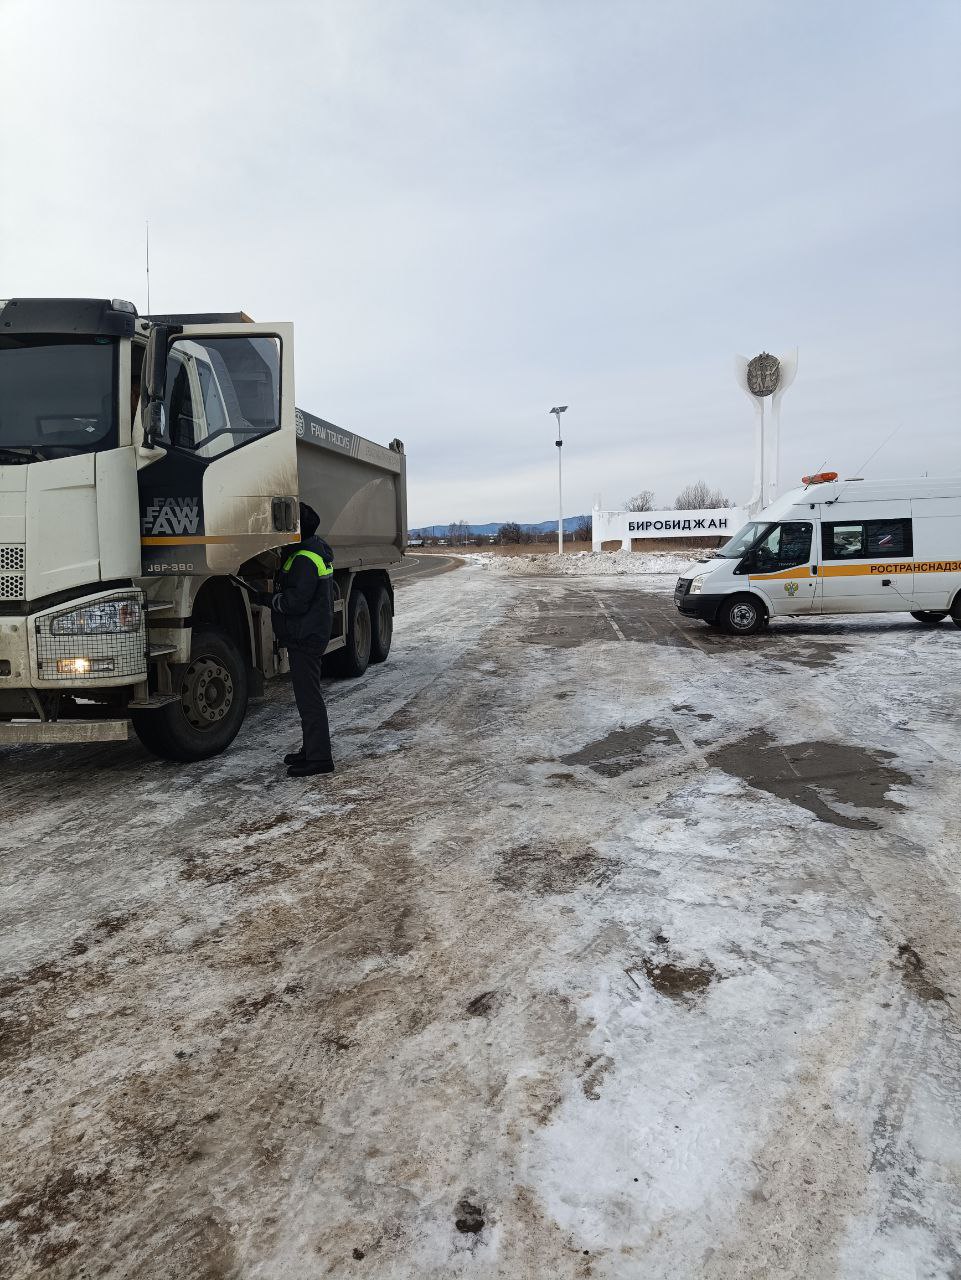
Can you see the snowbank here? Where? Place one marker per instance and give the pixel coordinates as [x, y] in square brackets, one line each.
[590, 564]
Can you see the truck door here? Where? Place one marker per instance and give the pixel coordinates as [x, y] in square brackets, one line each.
[226, 489]
[867, 564]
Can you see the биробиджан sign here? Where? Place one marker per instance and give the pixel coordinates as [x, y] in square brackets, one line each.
[623, 526]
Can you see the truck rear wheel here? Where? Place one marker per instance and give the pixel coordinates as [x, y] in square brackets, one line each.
[742, 616]
[381, 621]
[212, 703]
[928, 617]
[352, 660]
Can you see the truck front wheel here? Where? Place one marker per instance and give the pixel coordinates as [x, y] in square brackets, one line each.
[210, 708]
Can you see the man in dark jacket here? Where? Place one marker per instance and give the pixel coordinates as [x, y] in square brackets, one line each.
[302, 611]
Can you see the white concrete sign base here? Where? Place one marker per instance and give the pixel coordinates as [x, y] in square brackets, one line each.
[623, 526]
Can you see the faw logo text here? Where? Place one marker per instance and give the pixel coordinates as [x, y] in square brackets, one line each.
[172, 516]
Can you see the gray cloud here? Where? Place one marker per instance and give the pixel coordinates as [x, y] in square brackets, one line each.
[471, 211]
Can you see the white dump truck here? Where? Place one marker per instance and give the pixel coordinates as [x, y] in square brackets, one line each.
[150, 470]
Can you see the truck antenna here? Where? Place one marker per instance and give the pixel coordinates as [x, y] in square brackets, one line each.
[865, 463]
[148, 264]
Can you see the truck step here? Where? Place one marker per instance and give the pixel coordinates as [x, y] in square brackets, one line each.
[153, 702]
[160, 606]
[161, 650]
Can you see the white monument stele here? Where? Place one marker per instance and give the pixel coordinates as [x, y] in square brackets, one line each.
[765, 379]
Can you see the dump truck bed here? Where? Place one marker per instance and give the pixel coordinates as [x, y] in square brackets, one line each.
[357, 487]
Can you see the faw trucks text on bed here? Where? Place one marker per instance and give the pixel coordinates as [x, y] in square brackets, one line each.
[150, 467]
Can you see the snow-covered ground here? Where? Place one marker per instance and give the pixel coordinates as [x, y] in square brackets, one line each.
[582, 564]
[615, 948]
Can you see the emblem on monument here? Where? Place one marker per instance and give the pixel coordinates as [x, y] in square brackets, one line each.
[763, 374]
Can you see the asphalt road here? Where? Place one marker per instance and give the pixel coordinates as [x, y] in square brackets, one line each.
[414, 567]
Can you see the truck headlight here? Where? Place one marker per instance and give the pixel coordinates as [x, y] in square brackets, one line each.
[99, 619]
[83, 666]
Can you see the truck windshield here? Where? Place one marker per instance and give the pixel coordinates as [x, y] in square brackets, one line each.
[744, 539]
[57, 396]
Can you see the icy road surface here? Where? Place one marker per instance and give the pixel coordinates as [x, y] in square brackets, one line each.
[615, 948]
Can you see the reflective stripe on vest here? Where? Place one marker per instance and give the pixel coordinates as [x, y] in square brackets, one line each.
[323, 569]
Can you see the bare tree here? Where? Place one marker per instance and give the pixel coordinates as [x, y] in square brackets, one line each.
[510, 532]
[643, 501]
[699, 497]
[458, 530]
[583, 530]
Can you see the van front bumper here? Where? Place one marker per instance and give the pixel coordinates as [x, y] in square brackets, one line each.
[700, 606]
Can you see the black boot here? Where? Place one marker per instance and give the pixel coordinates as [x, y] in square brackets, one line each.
[307, 768]
[295, 757]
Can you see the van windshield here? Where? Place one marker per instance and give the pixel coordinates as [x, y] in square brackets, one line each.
[745, 539]
[57, 396]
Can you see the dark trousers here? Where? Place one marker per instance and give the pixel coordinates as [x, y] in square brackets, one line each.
[305, 677]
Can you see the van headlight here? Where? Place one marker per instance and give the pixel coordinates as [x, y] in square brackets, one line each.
[99, 619]
[697, 584]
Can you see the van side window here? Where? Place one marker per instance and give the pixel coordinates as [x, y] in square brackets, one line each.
[861, 539]
[889, 537]
[785, 547]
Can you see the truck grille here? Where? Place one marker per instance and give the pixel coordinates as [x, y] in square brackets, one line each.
[127, 650]
[13, 557]
[13, 561]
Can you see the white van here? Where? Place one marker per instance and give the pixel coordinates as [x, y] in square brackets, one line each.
[836, 546]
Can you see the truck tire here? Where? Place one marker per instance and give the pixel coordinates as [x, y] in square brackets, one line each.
[929, 617]
[206, 718]
[742, 615]
[381, 622]
[956, 610]
[352, 660]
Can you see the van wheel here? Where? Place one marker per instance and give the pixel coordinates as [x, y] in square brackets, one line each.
[742, 616]
[928, 617]
[207, 716]
[352, 660]
[956, 610]
[382, 622]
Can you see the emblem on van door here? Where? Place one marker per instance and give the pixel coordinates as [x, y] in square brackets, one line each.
[763, 374]
[791, 588]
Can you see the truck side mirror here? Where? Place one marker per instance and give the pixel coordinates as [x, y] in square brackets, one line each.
[155, 423]
[155, 378]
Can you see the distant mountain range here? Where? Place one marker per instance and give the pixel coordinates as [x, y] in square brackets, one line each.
[489, 530]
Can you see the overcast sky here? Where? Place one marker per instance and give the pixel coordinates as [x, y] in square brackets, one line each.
[473, 211]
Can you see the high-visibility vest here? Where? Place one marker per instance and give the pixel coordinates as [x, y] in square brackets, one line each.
[323, 569]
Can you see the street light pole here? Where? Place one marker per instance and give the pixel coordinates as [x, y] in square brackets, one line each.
[557, 411]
